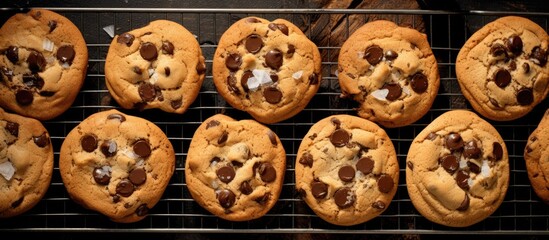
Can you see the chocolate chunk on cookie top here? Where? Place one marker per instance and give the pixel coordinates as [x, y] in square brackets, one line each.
[502, 69]
[157, 66]
[45, 72]
[458, 170]
[116, 164]
[235, 169]
[347, 168]
[390, 71]
[268, 69]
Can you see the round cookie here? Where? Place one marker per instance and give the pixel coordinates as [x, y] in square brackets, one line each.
[26, 163]
[536, 154]
[346, 170]
[157, 66]
[235, 169]
[269, 69]
[390, 71]
[457, 170]
[502, 68]
[43, 61]
[116, 164]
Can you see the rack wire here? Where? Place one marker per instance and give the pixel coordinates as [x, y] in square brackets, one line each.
[522, 212]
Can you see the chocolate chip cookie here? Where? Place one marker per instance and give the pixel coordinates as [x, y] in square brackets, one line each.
[43, 61]
[269, 69]
[390, 71]
[502, 69]
[535, 154]
[457, 169]
[26, 163]
[346, 170]
[157, 66]
[116, 164]
[235, 169]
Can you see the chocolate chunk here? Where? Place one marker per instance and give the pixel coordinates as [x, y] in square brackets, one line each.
[245, 188]
[24, 97]
[253, 43]
[142, 148]
[394, 91]
[200, 68]
[37, 15]
[12, 128]
[373, 54]
[526, 67]
[283, 28]
[365, 165]
[12, 53]
[525, 96]
[147, 92]
[226, 198]
[116, 198]
[272, 95]
[52, 24]
[102, 175]
[125, 38]
[502, 78]
[137, 70]
[462, 179]
[473, 167]
[319, 189]
[138, 176]
[124, 188]
[346, 173]
[274, 77]
[231, 84]
[306, 159]
[108, 148]
[344, 197]
[498, 50]
[432, 136]
[497, 151]
[419, 83]
[378, 205]
[117, 116]
[336, 122]
[237, 164]
[273, 59]
[36, 61]
[41, 141]
[263, 199]
[252, 20]
[291, 50]
[7, 72]
[512, 66]
[410, 165]
[385, 183]
[225, 174]
[267, 172]
[167, 47]
[142, 210]
[148, 51]
[272, 138]
[212, 123]
[215, 160]
[223, 138]
[340, 138]
[233, 62]
[539, 56]
[167, 71]
[465, 204]
[470, 150]
[313, 79]
[46, 93]
[65, 54]
[454, 141]
[244, 80]
[514, 44]
[33, 80]
[176, 103]
[18, 202]
[391, 55]
[88, 143]
[449, 163]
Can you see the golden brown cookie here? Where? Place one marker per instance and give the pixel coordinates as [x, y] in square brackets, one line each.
[536, 154]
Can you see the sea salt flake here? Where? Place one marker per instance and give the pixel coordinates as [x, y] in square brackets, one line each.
[485, 169]
[109, 30]
[214, 184]
[462, 163]
[66, 65]
[47, 45]
[336, 73]
[360, 54]
[297, 75]
[406, 90]
[470, 182]
[380, 94]
[130, 154]
[253, 83]
[263, 76]
[150, 71]
[7, 170]
[154, 78]
[50, 59]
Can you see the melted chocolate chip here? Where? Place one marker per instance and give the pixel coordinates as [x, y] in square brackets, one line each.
[102, 175]
[365, 165]
[539, 56]
[12, 128]
[465, 204]
[148, 51]
[245, 188]
[167, 71]
[391, 55]
[137, 70]
[36, 61]
[410, 165]
[473, 167]
[236, 164]
[116, 198]
[373, 54]
[252, 20]
[394, 91]
[267, 172]
[378, 205]
[231, 84]
[225, 174]
[454, 141]
[18, 202]
[167, 47]
[525, 96]
[283, 28]
[212, 123]
[526, 67]
[226, 198]
[419, 83]
[138, 176]
[263, 199]
[513, 66]
[432, 136]
[42, 140]
[313, 79]
[253, 43]
[24, 97]
[502, 78]
[215, 160]
[272, 138]
[12, 53]
[147, 92]
[52, 24]
[124, 188]
[336, 122]
[306, 159]
[125, 38]
[272, 95]
[244, 80]
[385, 183]
[223, 138]
[273, 59]
[340, 138]
[142, 210]
[65, 54]
[291, 50]
[514, 44]
[176, 104]
[46, 93]
[498, 50]
[108, 148]
[346, 173]
[462, 179]
[470, 150]
[319, 189]
[37, 15]
[497, 151]
[449, 163]
[344, 197]
[88, 143]
[33, 80]
[233, 62]
[200, 68]
[116, 116]
[142, 148]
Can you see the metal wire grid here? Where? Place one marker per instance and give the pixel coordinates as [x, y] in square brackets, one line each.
[521, 212]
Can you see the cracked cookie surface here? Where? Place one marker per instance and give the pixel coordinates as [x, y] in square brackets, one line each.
[235, 169]
[269, 69]
[346, 170]
[26, 163]
[43, 61]
[390, 71]
[157, 66]
[502, 68]
[536, 155]
[116, 164]
[457, 169]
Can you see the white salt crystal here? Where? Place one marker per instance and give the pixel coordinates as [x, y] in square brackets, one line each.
[253, 83]
[485, 169]
[109, 30]
[297, 75]
[381, 94]
[7, 170]
[47, 45]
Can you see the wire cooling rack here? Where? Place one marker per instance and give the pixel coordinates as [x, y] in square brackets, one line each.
[522, 212]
